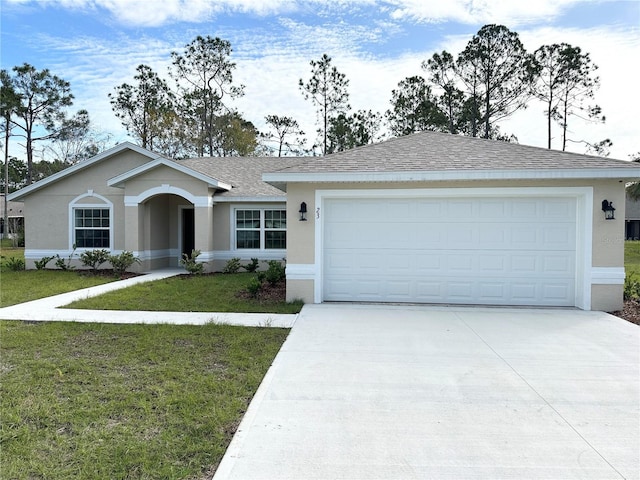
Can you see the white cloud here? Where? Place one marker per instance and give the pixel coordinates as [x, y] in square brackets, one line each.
[479, 12]
[271, 64]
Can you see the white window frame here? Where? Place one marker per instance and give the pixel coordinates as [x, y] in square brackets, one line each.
[262, 209]
[75, 205]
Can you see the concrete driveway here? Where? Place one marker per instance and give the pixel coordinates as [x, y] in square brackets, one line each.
[407, 392]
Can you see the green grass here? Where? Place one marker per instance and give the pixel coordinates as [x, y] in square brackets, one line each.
[25, 285]
[632, 257]
[96, 401]
[195, 293]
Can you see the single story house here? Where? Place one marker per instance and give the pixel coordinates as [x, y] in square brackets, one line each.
[15, 217]
[426, 218]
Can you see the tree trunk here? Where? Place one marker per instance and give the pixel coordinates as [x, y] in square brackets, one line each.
[5, 230]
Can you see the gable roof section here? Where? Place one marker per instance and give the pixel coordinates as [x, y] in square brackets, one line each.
[26, 191]
[244, 174]
[433, 156]
[120, 180]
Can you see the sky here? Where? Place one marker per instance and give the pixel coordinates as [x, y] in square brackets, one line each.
[96, 45]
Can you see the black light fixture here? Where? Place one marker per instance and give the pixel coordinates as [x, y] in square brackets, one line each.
[608, 209]
[303, 212]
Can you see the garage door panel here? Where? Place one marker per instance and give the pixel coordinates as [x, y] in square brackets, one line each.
[518, 251]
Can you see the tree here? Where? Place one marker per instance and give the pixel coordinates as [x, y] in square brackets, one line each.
[234, 136]
[78, 145]
[577, 86]
[286, 133]
[327, 90]
[9, 104]
[442, 73]
[16, 172]
[565, 80]
[549, 65]
[349, 131]
[44, 98]
[142, 108]
[495, 69]
[414, 108]
[204, 75]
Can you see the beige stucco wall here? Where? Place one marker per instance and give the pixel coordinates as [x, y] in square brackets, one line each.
[607, 238]
[47, 223]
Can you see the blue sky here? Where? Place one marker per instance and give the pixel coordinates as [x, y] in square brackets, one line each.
[97, 44]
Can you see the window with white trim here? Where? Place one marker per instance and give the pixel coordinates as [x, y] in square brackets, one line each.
[261, 229]
[91, 227]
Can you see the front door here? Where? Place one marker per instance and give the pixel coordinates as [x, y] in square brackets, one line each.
[188, 231]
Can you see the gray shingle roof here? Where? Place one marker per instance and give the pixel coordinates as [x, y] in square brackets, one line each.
[243, 173]
[432, 151]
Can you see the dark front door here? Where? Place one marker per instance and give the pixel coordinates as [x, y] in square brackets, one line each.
[188, 230]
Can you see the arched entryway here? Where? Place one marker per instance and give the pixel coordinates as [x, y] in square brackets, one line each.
[164, 223]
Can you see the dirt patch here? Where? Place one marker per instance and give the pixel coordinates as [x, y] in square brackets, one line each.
[630, 311]
[268, 293]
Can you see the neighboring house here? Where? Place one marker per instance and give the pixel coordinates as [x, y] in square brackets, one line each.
[15, 216]
[632, 219]
[426, 218]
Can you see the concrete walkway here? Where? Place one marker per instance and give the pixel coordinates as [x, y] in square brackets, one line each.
[48, 309]
[418, 392]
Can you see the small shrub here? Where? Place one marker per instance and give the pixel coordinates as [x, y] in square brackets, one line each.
[254, 286]
[190, 264]
[94, 258]
[276, 272]
[253, 266]
[121, 262]
[15, 264]
[631, 287]
[42, 263]
[232, 266]
[63, 264]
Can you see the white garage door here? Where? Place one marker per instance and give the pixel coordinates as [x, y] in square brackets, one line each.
[491, 251]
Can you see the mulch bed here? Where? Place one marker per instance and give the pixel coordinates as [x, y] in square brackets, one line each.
[630, 311]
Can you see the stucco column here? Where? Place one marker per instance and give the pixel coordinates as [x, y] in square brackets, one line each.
[203, 217]
[134, 232]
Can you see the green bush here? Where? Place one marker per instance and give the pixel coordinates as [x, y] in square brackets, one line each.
[120, 263]
[254, 286]
[63, 264]
[94, 258]
[15, 264]
[631, 288]
[232, 266]
[253, 266]
[276, 272]
[190, 264]
[42, 263]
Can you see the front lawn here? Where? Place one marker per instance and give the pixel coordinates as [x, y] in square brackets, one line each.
[632, 257]
[98, 401]
[25, 285]
[190, 293]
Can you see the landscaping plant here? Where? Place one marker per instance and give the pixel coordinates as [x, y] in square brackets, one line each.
[190, 263]
[94, 258]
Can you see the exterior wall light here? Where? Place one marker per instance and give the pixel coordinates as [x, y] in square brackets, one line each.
[303, 212]
[608, 209]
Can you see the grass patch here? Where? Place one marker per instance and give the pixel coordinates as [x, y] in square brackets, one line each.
[632, 257]
[195, 293]
[26, 285]
[99, 401]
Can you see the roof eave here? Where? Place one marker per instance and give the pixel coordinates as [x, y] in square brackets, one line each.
[19, 195]
[280, 179]
[121, 179]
